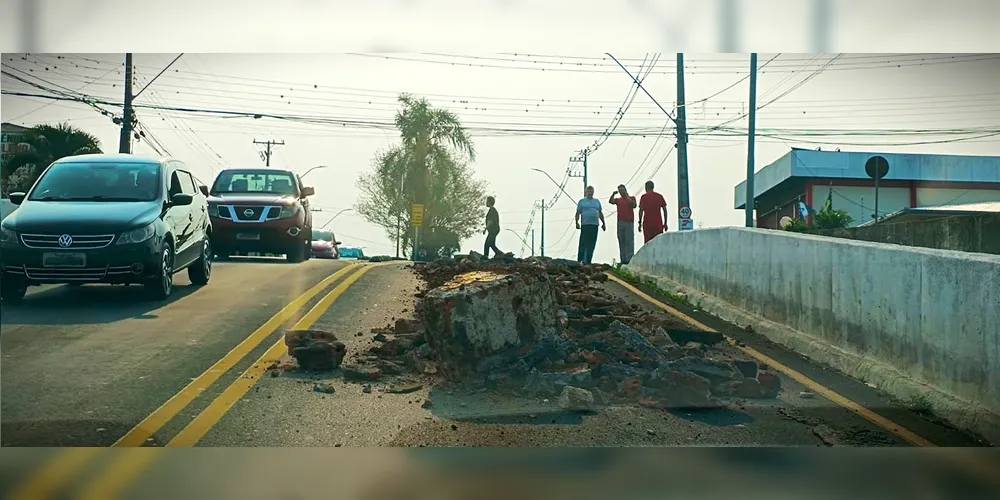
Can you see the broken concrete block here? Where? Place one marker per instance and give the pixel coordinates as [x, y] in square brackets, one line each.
[747, 388]
[715, 371]
[479, 314]
[315, 350]
[747, 368]
[575, 399]
[770, 384]
[679, 389]
[702, 337]
[634, 341]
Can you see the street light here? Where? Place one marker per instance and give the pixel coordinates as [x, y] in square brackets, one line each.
[556, 183]
[311, 169]
[334, 217]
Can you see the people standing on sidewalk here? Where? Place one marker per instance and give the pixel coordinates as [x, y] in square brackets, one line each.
[651, 206]
[492, 229]
[589, 216]
[626, 219]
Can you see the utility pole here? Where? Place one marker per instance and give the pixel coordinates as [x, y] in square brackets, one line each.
[683, 196]
[542, 248]
[125, 139]
[582, 158]
[532, 242]
[750, 197]
[266, 155]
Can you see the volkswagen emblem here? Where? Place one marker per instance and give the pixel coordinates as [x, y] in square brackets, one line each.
[65, 241]
[248, 212]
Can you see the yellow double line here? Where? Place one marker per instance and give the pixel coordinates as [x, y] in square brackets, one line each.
[53, 476]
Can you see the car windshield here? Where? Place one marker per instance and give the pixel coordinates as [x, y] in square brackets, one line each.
[281, 183]
[98, 182]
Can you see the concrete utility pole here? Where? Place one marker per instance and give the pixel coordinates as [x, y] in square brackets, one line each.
[683, 196]
[125, 139]
[532, 242]
[582, 158]
[267, 150]
[542, 248]
[750, 197]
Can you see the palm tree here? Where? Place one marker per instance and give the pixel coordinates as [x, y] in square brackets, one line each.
[48, 144]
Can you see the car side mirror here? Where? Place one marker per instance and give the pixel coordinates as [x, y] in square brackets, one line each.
[181, 200]
[337, 243]
[17, 198]
[308, 191]
[204, 189]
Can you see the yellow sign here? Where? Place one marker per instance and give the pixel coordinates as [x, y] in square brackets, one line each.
[417, 215]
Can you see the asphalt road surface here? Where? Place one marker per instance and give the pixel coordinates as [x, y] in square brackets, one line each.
[95, 366]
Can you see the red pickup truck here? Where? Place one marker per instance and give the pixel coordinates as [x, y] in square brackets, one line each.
[261, 210]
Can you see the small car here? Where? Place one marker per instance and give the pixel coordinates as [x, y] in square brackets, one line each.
[107, 218]
[263, 210]
[325, 249]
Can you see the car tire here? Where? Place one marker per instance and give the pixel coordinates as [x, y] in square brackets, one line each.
[160, 287]
[13, 289]
[200, 271]
[296, 254]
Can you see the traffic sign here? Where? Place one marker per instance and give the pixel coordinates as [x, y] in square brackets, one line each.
[687, 224]
[685, 212]
[417, 215]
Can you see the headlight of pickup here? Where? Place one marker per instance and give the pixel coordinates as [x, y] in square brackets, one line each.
[8, 236]
[289, 211]
[137, 235]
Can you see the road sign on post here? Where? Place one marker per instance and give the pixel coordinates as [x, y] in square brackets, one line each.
[685, 221]
[417, 216]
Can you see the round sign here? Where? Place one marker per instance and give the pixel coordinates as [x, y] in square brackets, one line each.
[685, 212]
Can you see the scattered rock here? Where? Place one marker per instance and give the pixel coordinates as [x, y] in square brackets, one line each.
[747, 368]
[405, 388]
[575, 399]
[325, 388]
[361, 373]
[367, 389]
[315, 350]
[806, 395]
[770, 384]
[702, 337]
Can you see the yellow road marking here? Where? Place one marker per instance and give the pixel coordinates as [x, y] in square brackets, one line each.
[210, 416]
[123, 471]
[156, 420]
[53, 475]
[904, 433]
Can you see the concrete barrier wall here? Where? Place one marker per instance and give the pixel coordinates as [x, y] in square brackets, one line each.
[6, 207]
[931, 316]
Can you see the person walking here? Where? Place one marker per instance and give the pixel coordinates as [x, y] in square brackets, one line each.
[651, 206]
[626, 219]
[492, 229]
[588, 216]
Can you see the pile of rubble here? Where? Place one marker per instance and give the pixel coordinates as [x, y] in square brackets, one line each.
[542, 326]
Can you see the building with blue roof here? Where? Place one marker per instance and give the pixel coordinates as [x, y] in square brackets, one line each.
[808, 178]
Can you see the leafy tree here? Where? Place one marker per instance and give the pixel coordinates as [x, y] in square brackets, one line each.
[48, 144]
[431, 167]
[825, 219]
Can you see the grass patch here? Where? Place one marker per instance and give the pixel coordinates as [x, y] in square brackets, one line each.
[635, 279]
[920, 404]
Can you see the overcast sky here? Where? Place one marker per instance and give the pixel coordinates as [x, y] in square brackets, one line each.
[868, 93]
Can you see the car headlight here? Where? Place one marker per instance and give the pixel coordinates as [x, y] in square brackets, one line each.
[137, 235]
[8, 236]
[289, 211]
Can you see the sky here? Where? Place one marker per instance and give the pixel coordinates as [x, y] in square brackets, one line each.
[573, 98]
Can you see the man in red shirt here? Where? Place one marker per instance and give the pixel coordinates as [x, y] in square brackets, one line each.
[651, 206]
[626, 218]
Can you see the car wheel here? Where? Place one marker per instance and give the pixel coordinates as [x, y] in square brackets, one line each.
[160, 287]
[13, 289]
[201, 270]
[296, 254]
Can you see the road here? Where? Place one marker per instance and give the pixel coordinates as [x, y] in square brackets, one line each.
[85, 366]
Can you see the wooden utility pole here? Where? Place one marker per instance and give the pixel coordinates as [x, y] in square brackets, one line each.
[752, 133]
[266, 155]
[125, 139]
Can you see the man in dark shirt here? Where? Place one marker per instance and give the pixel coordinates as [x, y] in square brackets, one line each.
[626, 219]
[492, 229]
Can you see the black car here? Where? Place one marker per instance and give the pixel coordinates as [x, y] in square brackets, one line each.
[118, 219]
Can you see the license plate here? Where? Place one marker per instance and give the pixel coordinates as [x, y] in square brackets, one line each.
[247, 236]
[64, 259]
